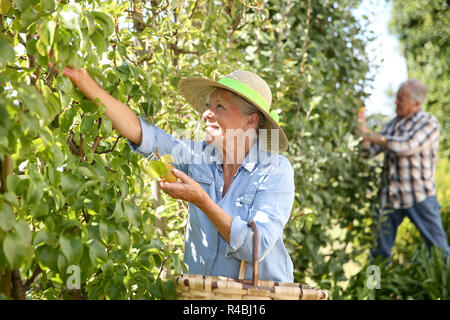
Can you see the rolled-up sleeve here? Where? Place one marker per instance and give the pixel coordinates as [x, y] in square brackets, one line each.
[270, 210]
[184, 152]
[147, 145]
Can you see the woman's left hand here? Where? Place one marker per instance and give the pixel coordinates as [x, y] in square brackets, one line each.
[188, 189]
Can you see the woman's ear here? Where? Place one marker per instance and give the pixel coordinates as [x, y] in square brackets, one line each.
[252, 121]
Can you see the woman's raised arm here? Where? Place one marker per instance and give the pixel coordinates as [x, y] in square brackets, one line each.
[123, 119]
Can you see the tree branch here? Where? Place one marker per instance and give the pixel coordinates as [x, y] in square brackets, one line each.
[113, 147]
[37, 271]
[18, 291]
[302, 72]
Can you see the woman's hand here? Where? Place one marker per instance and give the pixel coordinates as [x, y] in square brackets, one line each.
[123, 119]
[76, 75]
[188, 189]
[81, 79]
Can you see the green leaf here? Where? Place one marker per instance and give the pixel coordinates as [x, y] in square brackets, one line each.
[88, 106]
[40, 237]
[24, 232]
[72, 248]
[87, 124]
[106, 230]
[118, 210]
[99, 40]
[85, 186]
[47, 6]
[7, 53]
[156, 289]
[22, 4]
[40, 210]
[7, 217]
[105, 21]
[169, 289]
[108, 267]
[85, 172]
[28, 17]
[66, 120]
[57, 155]
[69, 182]
[11, 198]
[35, 192]
[14, 250]
[46, 31]
[32, 100]
[124, 238]
[97, 252]
[61, 263]
[5, 120]
[106, 128]
[4, 6]
[47, 256]
[156, 169]
[133, 213]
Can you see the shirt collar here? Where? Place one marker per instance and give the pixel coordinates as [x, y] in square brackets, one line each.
[412, 117]
[251, 160]
[417, 114]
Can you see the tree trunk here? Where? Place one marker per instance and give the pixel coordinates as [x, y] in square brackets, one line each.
[6, 276]
[5, 283]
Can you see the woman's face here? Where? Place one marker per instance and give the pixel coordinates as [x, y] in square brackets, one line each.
[224, 119]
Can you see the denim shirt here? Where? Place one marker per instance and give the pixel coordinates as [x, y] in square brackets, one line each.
[262, 190]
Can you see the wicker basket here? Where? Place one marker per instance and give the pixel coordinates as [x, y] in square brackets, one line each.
[198, 287]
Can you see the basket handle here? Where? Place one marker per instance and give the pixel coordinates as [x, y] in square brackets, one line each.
[252, 225]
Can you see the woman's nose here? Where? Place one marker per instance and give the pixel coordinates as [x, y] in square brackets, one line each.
[208, 114]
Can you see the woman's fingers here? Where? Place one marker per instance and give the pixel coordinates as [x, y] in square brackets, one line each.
[183, 176]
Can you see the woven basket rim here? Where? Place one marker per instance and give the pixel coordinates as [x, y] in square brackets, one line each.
[216, 282]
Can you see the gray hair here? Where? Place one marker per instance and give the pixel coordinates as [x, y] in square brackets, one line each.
[248, 109]
[417, 90]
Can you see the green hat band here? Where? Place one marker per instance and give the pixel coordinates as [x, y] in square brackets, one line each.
[250, 94]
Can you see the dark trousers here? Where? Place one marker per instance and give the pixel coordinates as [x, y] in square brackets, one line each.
[425, 215]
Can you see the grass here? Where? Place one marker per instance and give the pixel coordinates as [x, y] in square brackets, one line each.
[442, 177]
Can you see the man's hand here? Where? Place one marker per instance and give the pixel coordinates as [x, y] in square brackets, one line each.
[361, 120]
[367, 135]
[188, 189]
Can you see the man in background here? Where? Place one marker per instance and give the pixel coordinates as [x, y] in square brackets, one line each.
[410, 143]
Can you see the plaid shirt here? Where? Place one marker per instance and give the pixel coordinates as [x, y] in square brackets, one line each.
[409, 159]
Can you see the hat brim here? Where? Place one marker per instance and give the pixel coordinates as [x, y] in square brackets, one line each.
[197, 90]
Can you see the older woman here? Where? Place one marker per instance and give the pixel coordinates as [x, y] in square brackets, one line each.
[236, 174]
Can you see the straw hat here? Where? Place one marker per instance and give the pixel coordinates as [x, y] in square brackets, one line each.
[246, 85]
